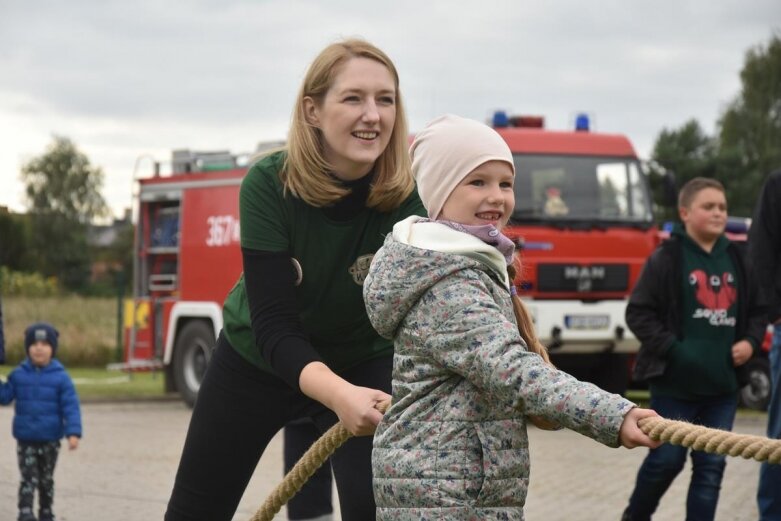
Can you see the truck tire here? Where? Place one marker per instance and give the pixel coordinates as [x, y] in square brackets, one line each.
[192, 351]
[756, 394]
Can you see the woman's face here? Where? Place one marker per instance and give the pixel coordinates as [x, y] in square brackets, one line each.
[484, 196]
[356, 117]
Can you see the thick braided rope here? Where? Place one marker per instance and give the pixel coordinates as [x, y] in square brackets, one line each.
[657, 428]
[710, 440]
[317, 454]
[312, 460]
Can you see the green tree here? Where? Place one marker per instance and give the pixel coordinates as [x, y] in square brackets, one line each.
[117, 260]
[63, 192]
[122, 250]
[63, 182]
[14, 241]
[687, 152]
[750, 128]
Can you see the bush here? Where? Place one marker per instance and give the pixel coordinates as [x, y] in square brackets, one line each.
[87, 327]
[17, 283]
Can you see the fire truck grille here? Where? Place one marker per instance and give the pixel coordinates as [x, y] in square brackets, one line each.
[582, 278]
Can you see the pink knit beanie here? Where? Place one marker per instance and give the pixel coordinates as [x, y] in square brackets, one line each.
[446, 151]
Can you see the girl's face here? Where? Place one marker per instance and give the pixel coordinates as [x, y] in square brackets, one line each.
[706, 216]
[40, 353]
[356, 117]
[484, 196]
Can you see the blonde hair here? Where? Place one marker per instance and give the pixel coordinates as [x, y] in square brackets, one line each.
[306, 171]
[525, 323]
[533, 344]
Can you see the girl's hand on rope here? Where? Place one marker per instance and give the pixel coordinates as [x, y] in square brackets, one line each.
[631, 435]
[355, 406]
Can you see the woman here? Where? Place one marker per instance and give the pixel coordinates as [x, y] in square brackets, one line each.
[296, 340]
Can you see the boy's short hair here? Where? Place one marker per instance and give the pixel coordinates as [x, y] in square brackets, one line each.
[695, 186]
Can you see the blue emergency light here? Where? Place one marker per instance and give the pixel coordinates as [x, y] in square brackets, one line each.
[500, 119]
[582, 123]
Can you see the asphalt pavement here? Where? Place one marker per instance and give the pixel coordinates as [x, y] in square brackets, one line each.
[125, 465]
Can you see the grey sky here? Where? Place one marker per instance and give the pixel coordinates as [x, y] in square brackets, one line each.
[130, 78]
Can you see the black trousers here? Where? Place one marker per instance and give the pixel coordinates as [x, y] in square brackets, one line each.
[238, 410]
[314, 498]
[36, 465]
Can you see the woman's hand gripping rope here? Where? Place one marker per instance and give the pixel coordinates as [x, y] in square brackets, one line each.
[317, 454]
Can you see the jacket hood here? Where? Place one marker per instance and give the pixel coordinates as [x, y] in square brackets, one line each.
[416, 256]
[53, 365]
[719, 246]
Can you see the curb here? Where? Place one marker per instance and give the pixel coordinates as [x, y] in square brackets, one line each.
[169, 397]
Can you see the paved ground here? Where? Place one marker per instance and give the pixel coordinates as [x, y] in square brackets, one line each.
[125, 467]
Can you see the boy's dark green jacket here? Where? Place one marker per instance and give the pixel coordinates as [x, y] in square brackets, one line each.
[654, 311]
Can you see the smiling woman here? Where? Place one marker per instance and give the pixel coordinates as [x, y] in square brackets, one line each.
[356, 117]
[296, 342]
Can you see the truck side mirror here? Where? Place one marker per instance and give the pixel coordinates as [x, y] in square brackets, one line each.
[664, 179]
[669, 190]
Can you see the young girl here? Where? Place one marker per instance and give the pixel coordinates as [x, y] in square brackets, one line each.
[453, 444]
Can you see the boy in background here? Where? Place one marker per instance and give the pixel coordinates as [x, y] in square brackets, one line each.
[696, 313]
[46, 410]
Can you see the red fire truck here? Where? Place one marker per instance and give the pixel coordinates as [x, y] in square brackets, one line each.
[583, 222]
[187, 258]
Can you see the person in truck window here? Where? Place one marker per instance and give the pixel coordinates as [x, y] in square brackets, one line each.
[554, 204]
[468, 369]
[696, 313]
[296, 340]
[765, 247]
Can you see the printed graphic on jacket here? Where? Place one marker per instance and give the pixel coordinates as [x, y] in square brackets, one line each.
[716, 294]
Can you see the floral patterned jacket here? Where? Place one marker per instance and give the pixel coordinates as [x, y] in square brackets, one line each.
[453, 445]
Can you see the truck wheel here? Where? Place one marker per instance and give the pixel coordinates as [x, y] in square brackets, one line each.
[756, 394]
[192, 352]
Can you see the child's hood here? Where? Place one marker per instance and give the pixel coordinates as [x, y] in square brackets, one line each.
[416, 256]
[719, 246]
[53, 365]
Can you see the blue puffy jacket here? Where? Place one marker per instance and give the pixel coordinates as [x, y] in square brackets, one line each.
[2, 336]
[47, 406]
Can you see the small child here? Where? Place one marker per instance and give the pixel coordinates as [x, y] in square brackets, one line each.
[47, 409]
[696, 313]
[467, 370]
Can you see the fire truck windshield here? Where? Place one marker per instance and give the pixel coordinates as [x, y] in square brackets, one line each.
[580, 189]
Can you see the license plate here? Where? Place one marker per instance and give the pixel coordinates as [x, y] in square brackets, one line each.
[587, 321]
